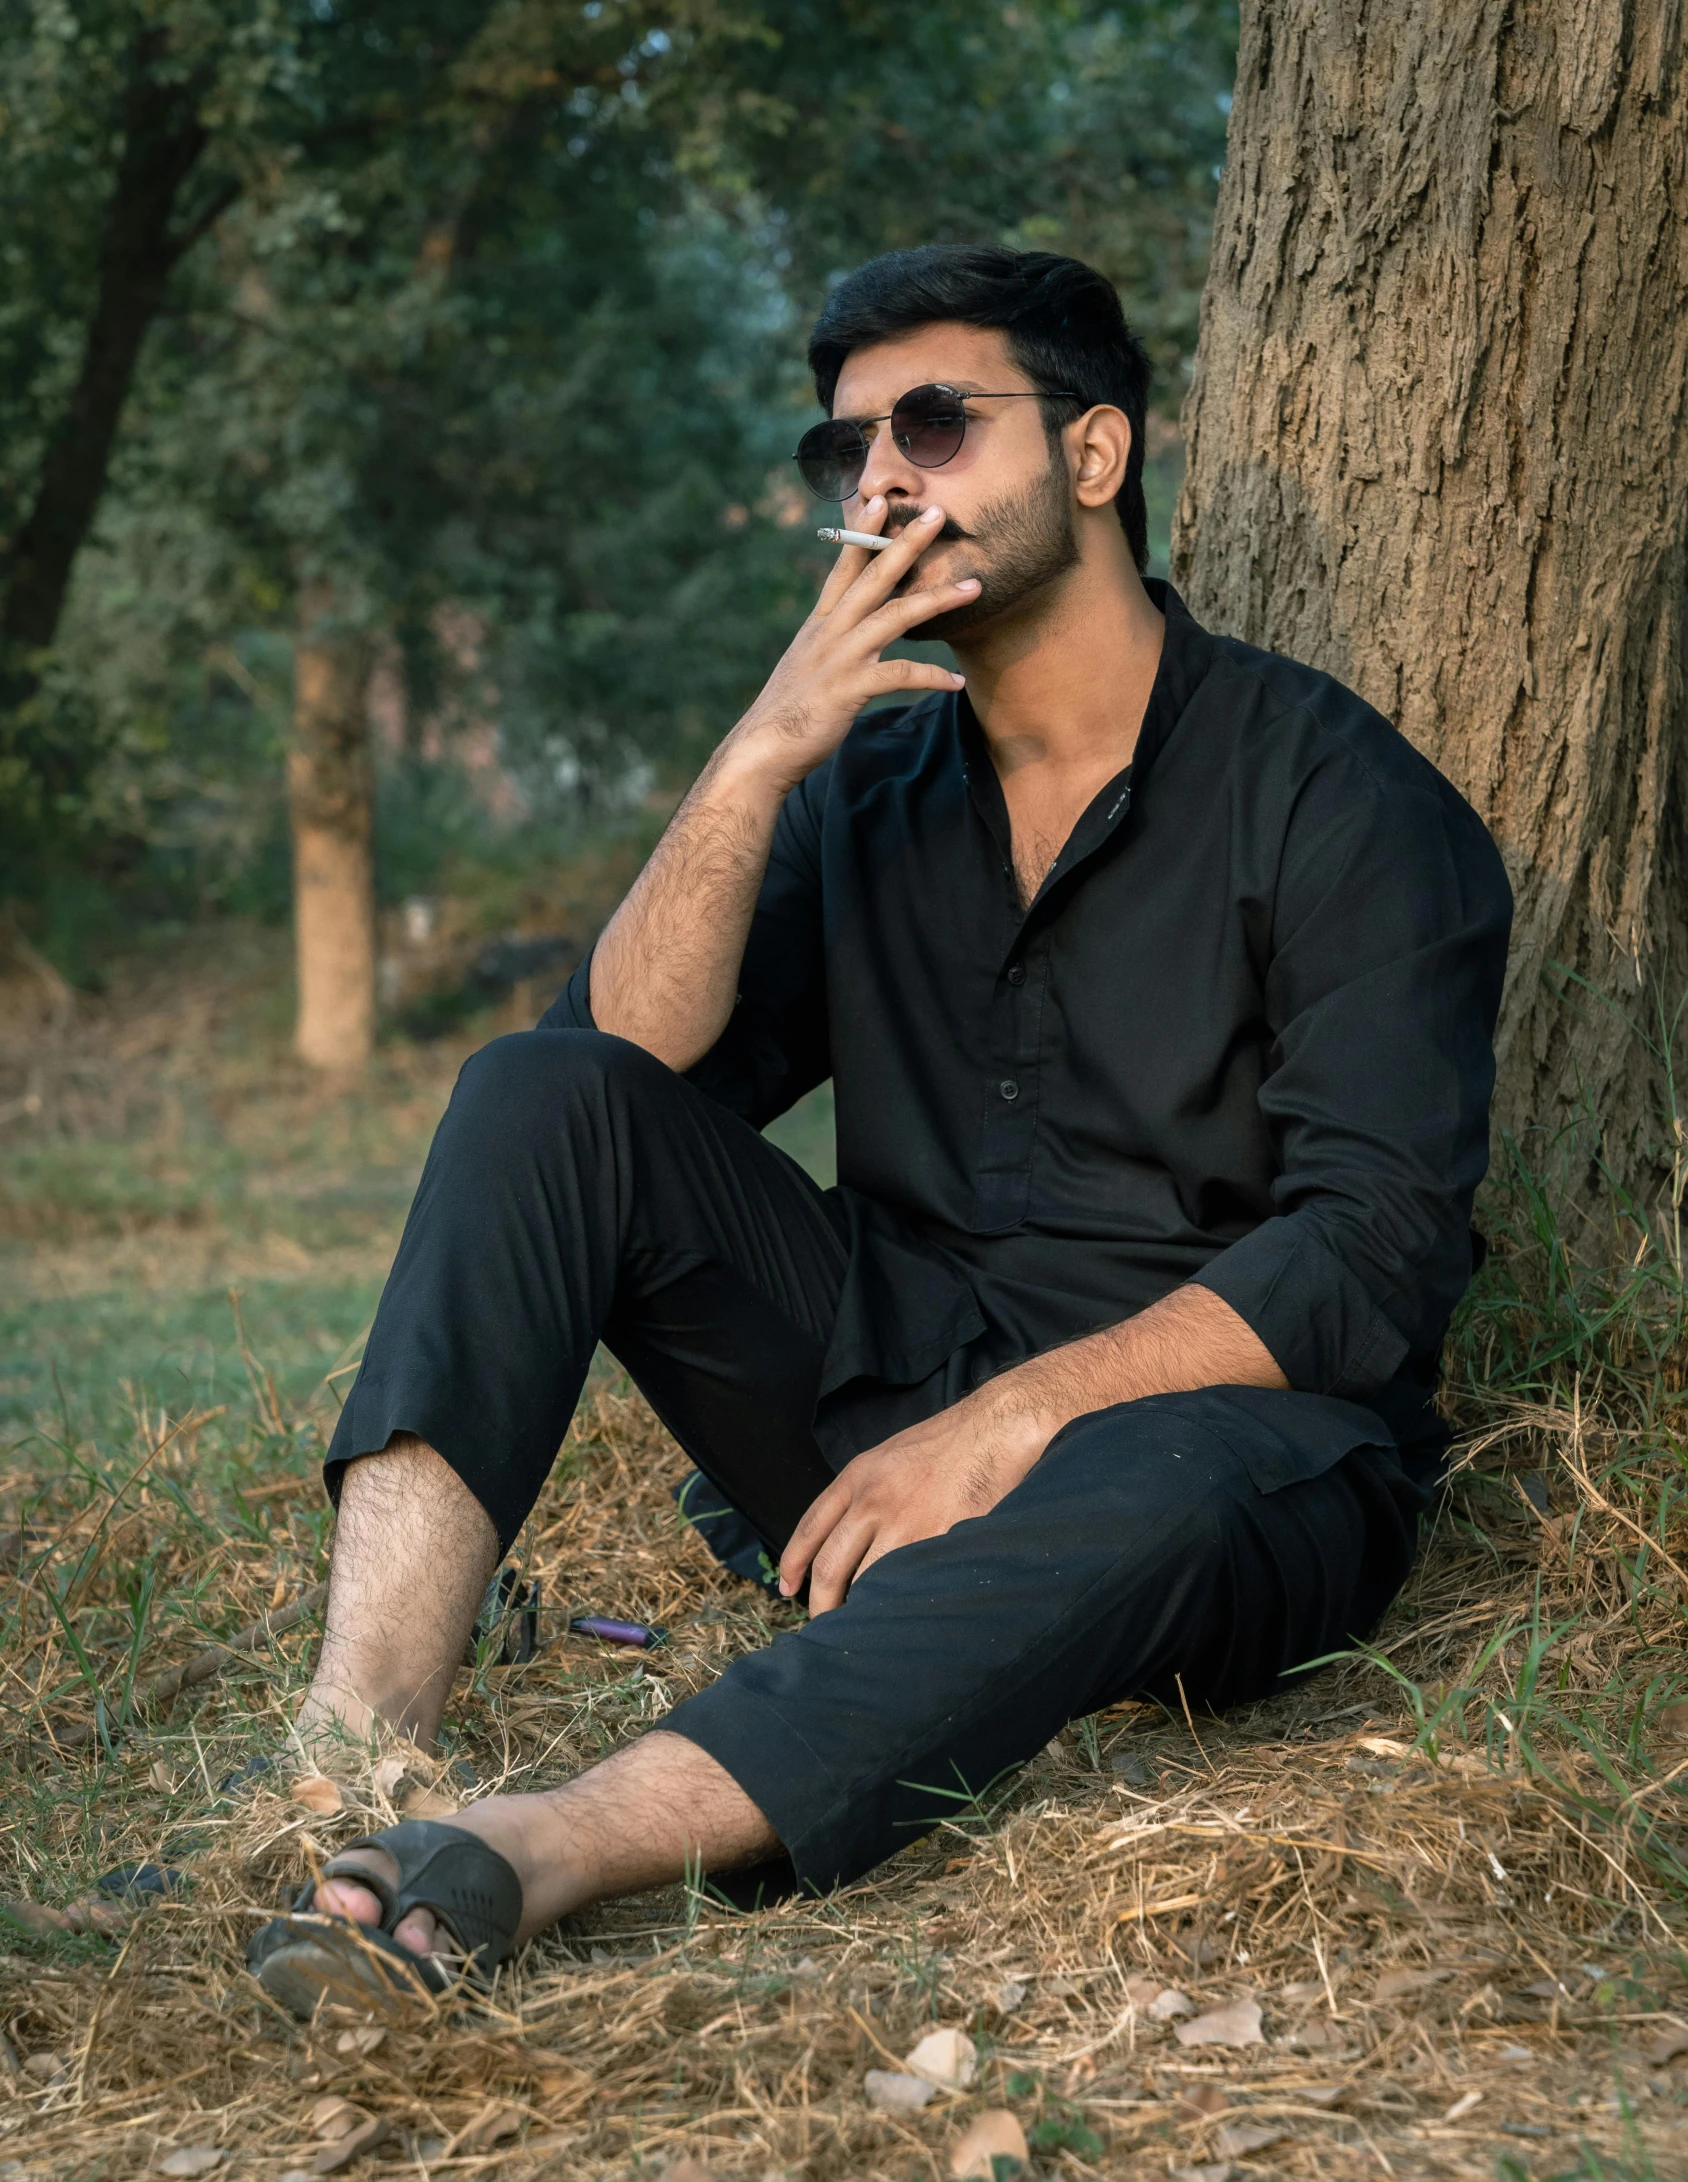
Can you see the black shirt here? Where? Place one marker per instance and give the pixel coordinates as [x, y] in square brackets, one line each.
[1242, 1035]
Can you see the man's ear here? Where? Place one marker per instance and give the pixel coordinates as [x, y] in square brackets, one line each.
[1098, 444]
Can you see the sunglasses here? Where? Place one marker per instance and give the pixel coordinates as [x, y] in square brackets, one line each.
[928, 424]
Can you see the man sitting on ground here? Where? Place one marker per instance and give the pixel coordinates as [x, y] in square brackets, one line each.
[1157, 979]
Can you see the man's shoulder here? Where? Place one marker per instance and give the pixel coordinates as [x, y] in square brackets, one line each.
[1286, 712]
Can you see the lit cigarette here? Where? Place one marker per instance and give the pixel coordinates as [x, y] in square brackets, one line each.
[856, 537]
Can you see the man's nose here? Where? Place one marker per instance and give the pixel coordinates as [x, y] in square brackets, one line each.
[889, 471]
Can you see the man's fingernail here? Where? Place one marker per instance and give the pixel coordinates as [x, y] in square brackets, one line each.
[931, 515]
[875, 504]
[967, 583]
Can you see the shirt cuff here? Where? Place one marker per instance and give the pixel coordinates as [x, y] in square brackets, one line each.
[1323, 1329]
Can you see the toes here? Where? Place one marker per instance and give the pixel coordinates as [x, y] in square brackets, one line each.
[418, 1931]
[345, 1898]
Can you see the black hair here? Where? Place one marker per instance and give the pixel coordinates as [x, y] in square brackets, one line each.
[1064, 325]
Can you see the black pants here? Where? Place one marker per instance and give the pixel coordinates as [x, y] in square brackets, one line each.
[578, 1191]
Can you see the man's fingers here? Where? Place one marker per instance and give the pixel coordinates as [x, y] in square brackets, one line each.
[894, 674]
[836, 1563]
[853, 559]
[870, 587]
[811, 1533]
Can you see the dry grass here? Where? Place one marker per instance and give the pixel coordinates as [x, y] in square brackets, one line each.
[1453, 1872]
[1422, 1918]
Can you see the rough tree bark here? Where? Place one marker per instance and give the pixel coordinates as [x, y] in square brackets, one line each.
[163, 140]
[330, 793]
[1438, 445]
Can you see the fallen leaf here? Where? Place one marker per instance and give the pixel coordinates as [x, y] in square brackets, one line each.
[1218, 2171]
[345, 2149]
[1201, 2101]
[1323, 2094]
[895, 2093]
[686, 2169]
[1237, 2025]
[161, 1777]
[1666, 2044]
[1393, 1983]
[490, 2126]
[279, 1594]
[191, 2159]
[1009, 1995]
[1063, 1987]
[1461, 2107]
[389, 1773]
[1384, 1746]
[319, 1794]
[1237, 2137]
[990, 2136]
[294, 2174]
[1142, 1991]
[1319, 2036]
[1168, 2002]
[359, 2041]
[945, 2058]
[334, 2116]
[418, 1800]
[47, 2067]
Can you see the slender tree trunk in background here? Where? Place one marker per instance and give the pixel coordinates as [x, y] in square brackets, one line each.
[330, 793]
[163, 139]
[1438, 445]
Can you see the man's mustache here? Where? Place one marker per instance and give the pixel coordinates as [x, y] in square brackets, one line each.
[900, 517]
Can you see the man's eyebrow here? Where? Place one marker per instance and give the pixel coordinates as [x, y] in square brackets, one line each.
[867, 416]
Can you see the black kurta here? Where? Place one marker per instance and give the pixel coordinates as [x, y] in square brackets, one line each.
[1242, 1035]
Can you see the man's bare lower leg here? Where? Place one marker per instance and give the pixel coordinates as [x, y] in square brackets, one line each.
[413, 1553]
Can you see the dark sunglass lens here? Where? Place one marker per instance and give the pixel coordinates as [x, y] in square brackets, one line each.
[831, 458]
[929, 425]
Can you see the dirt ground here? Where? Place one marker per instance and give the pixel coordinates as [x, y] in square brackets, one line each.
[1422, 1917]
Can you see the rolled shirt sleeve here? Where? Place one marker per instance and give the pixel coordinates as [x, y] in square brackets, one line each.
[775, 1046]
[1389, 928]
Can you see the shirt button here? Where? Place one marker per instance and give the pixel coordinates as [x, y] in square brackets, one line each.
[1016, 973]
[1009, 1088]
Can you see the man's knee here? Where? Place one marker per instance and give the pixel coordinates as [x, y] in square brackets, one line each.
[538, 1078]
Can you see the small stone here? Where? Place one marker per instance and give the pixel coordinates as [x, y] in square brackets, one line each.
[191, 2159]
[319, 1794]
[361, 2041]
[995, 2134]
[1009, 1995]
[344, 2150]
[1168, 2002]
[893, 2092]
[334, 2116]
[495, 2121]
[1237, 2025]
[945, 2058]
[47, 2067]
[1237, 2137]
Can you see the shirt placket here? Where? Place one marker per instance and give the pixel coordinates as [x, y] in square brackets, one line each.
[1013, 1046]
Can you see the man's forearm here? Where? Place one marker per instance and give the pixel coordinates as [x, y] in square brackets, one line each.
[666, 969]
[1188, 1339]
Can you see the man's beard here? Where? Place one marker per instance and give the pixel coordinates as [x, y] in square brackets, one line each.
[1023, 547]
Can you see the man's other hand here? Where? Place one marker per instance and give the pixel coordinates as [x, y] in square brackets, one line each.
[965, 1459]
[914, 1485]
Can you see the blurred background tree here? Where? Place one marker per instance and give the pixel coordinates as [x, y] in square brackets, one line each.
[436, 366]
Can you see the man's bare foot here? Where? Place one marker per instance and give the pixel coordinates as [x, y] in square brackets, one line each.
[636, 1820]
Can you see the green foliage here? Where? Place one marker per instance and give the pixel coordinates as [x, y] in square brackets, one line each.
[489, 314]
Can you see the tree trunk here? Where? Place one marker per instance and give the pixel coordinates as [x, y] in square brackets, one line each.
[163, 138]
[1438, 446]
[330, 792]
